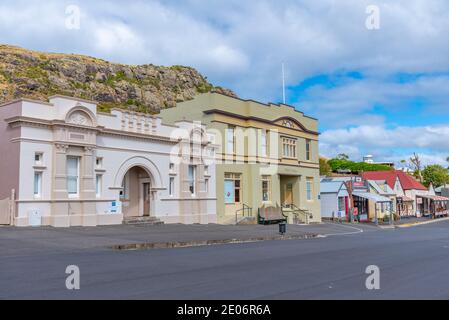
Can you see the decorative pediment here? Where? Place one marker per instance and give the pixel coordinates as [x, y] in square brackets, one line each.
[80, 118]
[289, 123]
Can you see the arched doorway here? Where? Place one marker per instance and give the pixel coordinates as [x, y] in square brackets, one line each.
[136, 195]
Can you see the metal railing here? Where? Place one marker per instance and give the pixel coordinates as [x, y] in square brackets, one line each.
[246, 212]
[297, 213]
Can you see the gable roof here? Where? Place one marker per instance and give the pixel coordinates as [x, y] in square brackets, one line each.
[332, 186]
[407, 181]
[381, 187]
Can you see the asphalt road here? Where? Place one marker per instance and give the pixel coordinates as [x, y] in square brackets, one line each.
[414, 264]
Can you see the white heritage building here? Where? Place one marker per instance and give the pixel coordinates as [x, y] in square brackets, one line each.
[66, 164]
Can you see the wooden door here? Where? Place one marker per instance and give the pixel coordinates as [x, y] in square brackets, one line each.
[288, 195]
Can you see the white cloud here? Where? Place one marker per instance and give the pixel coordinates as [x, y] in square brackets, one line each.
[111, 37]
[431, 142]
[241, 44]
[353, 102]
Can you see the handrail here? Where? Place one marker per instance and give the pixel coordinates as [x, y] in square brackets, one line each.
[297, 211]
[245, 208]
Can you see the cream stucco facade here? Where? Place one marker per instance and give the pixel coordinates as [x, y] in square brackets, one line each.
[73, 166]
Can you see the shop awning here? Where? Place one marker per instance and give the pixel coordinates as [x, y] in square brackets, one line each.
[371, 196]
[434, 198]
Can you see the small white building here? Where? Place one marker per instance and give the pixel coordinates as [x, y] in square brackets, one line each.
[70, 165]
[335, 202]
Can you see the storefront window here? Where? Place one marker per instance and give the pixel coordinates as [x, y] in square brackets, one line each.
[341, 204]
[232, 188]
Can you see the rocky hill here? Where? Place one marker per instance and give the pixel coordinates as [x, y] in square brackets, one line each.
[143, 88]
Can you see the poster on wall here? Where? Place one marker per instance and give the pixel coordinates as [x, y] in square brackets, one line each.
[115, 207]
[229, 192]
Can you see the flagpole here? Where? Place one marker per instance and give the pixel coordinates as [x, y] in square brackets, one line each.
[283, 83]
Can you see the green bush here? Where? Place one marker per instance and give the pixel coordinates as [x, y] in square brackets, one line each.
[356, 167]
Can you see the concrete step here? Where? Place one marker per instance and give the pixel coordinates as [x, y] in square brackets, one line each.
[247, 221]
[230, 220]
[142, 221]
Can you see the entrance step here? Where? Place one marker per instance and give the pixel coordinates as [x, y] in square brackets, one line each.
[231, 221]
[247, 221]
[143, 221]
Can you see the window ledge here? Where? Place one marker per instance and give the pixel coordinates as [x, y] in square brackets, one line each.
[39, 167]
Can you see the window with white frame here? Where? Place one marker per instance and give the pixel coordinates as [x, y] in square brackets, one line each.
[308, 150]
[192, 179]
[124, 192]
[73, 169]
[98, 185]
[37, 184]
[289, 147]
[206, 170]
[263, 143]
[230, 140]
[38, 158]
[341, 204]
[211, 138]
[172, 187]
[99, 163]
[266, 188]
[309, 189]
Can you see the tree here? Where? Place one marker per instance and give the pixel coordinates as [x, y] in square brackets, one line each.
[343, 156]
[325, 168]
[436, 175]
[356, 167]
[415, 160]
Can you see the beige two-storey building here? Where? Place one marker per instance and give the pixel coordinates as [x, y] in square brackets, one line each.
[267, 155]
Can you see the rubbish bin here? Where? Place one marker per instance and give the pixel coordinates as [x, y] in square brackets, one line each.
[282, 228]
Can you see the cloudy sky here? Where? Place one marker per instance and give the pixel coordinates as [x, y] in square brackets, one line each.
[384, 91]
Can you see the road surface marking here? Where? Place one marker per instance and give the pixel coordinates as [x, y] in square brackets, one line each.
[357, 231]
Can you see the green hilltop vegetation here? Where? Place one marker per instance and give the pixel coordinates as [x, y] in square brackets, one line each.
[355, 167]
[342, 162]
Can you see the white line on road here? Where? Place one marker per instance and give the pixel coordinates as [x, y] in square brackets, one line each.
[343, 233]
